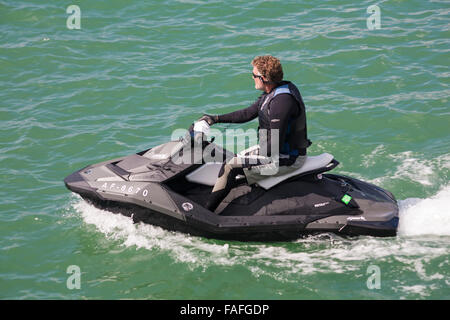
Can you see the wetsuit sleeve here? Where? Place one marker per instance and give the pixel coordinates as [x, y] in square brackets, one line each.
[242, 115]
[282, 108]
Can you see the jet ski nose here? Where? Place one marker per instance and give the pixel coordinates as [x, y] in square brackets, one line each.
[75, 182]
[73, 178]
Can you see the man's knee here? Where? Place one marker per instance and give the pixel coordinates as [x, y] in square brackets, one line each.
[225, 168]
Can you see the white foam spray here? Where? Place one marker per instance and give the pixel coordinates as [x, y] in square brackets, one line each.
[182, 247]
[429, 216]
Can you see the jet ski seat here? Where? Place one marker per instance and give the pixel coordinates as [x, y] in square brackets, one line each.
[312, 163]
[207, 174]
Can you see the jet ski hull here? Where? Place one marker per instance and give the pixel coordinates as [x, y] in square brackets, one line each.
[301, 206]
[245, 229]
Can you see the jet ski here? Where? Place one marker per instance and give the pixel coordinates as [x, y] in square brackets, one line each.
[153, 186]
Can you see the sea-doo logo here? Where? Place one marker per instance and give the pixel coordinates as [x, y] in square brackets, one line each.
[317, 205]
[187, 206]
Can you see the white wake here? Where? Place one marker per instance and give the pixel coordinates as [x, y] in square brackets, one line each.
[430, 216]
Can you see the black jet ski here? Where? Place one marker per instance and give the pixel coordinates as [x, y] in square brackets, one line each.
[151, 187]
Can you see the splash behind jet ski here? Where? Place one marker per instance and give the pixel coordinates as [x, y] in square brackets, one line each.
[153, 186]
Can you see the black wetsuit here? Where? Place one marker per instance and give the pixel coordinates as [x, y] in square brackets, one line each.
[278, 114]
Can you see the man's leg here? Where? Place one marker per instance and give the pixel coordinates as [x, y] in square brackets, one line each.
[225, 182]
[227, 179]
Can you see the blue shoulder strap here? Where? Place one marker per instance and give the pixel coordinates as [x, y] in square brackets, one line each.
[282, 89]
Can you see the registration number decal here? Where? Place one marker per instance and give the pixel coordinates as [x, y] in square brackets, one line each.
[118, 187]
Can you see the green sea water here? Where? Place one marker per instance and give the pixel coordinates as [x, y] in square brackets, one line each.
[378, 100]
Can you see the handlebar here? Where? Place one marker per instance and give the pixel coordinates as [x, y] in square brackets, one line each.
[197, 131]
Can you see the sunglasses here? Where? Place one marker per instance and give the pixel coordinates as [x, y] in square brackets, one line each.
[256, 76]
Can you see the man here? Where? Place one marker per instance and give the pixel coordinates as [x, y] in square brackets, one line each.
[280, 109]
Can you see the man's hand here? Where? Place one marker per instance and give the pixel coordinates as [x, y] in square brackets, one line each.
[211, 119]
